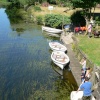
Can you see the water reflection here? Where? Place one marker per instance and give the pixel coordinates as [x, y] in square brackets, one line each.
[26, 72]
[50, 37]
[65, 74]
[57, 69]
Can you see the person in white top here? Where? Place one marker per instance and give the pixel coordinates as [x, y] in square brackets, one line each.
[89, 29]
[83, 63]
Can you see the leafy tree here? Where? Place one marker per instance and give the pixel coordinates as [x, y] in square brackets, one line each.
[23, 2]
[78, 19]
[87, 5]
[14, 15]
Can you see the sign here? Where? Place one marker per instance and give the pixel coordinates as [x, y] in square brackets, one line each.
[50, 7]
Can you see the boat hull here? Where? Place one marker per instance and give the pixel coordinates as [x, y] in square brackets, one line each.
[51, 30]
[60, 58]
[78, 95]
[56, 46]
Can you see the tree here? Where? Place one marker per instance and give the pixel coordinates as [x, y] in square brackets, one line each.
[86, 5]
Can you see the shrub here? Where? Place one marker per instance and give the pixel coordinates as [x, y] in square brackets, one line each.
[14, 15]
[97, 19]
[36, 8]
[39, 20]
[55, 20]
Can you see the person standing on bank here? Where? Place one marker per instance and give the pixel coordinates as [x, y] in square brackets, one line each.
[89, 29]
[83, 75]
[86, 87]
[83, 63]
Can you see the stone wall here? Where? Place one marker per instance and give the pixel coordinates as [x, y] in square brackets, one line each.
[95, 79]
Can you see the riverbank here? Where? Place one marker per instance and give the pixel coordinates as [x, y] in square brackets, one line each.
[75, 65]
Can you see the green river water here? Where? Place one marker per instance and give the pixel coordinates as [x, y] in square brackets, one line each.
[26, 69]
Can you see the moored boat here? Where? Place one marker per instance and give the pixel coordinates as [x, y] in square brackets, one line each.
[60, 58]
[51, 30]
[56, 46]
[78, 95]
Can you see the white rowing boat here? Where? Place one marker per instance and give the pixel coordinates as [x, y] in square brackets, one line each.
[51, 30]
[78, 95]
[57, 46]
[60, 58]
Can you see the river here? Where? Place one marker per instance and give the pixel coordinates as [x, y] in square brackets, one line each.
[26, 69]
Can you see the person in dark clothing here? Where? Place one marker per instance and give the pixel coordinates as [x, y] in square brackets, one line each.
[83, 75]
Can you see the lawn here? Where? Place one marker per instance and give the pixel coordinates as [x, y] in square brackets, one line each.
[91, 47]
[56, 10]
[4, 3]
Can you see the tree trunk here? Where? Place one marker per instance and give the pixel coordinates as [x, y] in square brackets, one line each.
[93, 12]
[89, 14]
[87, 22]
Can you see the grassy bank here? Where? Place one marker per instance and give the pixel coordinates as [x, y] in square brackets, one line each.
[4, 3]
[56, 10]
[90, 47]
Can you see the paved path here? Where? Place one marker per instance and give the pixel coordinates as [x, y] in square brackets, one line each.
[74, 62]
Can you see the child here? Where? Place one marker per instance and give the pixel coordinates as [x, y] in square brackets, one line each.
[88, 70]
[83, 63]
[83, 75]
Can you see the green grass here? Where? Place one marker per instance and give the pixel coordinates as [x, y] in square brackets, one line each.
[4, 3]
[91, 47]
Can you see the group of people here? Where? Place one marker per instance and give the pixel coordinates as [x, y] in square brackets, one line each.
[86, 85]
[87, 28]
[85, 71]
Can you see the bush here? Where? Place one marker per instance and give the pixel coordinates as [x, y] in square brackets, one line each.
[55, 20]
[97, 19]
[14, 15]
[39, 20]
[36, 8]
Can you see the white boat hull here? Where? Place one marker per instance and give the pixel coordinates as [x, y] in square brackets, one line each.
[78, 95]
[60, 58]
[56, 46]
[51, 30]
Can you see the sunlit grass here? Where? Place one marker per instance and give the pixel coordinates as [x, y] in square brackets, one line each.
[91, 47]
[4, 3]
[56, 10]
